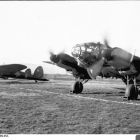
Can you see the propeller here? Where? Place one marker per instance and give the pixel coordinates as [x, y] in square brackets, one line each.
[106, 42]
[49, 62]
[54, 58]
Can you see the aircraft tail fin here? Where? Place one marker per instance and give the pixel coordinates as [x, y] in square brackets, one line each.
[132, 56]
[28, 73]
[38, 73]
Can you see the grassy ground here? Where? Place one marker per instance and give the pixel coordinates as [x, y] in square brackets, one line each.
[28, 108]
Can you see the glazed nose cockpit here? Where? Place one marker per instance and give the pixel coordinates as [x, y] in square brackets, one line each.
[87, 53]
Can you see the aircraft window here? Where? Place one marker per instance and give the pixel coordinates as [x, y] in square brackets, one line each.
[82, 48]
[76, 51]
[96, 51]
[89, 50]
[87, 53]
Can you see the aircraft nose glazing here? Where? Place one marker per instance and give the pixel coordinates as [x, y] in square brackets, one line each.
[87, 53]
[76, 51]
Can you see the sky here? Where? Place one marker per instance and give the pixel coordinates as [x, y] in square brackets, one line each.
[29, 30]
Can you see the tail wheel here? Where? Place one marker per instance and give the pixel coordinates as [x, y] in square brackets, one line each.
[77, 87]
[131, 92]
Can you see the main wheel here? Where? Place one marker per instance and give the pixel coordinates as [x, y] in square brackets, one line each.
[131, 92]
[77, 87]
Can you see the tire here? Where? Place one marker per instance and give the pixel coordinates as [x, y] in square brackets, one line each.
[77, 87]
[131, 92]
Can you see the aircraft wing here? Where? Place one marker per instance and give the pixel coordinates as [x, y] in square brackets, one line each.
[77, 69]
[49, 62]
[11, 69]
[69, 63]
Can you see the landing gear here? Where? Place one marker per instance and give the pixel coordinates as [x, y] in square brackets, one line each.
[131, 92]
[77, 87]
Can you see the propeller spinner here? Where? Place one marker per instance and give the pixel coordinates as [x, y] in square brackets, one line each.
[54, 58]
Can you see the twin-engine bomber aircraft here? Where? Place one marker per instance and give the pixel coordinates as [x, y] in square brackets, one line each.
[15, 71]
[95, 59]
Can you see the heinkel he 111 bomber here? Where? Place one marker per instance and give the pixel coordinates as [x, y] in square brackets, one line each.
[15, 71]
[90, 60]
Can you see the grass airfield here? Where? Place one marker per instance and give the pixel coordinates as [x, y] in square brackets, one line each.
[27, 107]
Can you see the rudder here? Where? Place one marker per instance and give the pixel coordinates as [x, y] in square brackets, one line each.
[28, 73]
[38, 73]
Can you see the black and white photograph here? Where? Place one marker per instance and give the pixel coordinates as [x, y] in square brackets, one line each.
[70, 67]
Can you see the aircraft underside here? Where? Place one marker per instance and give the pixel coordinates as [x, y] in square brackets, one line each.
[131, 93]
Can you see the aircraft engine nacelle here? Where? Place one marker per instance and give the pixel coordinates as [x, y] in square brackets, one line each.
[109, 72]
[69, 63]
[64, 61]
[118, 58]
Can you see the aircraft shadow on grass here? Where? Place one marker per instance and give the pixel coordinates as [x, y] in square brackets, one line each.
[105, 93]
[20, 82]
